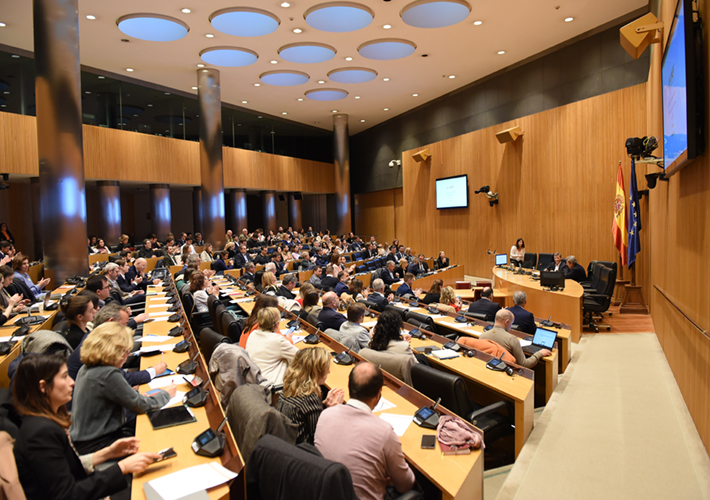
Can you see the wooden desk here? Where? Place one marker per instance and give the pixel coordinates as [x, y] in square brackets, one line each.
[565, 305]
[181, 437]
[449, 276]
[98, 257]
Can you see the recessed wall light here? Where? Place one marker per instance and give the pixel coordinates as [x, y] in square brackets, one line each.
[385, 79]
[274, 62]
[297, 30]
[87, 92]
[415, 95]
[194, 88]
[186, 11]
[90, 17]
[285, 5]
[348, 58]
[477, 23]
[166, 93]
[452, 76]
[387, 26]
[200, 65]
[150, 105]
[7, 92]
[129, 70]
[569, 19]
[501, 52]
[257, 85]
[15, 56]
[209, 35]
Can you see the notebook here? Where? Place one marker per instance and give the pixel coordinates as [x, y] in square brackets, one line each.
[543, 339]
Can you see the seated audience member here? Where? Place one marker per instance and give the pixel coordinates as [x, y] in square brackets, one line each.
[206, 255]
[201, 288]
[304, 290]
[79, 311]
[101, 247]
[302, 398]
[268, 349]
[442, 261]
[434, 293]
[377, 296]
[287, 285]
[329, 315]
[449, 300]
[419, 266]
[574, 270]
[485, 305]
[6, 252]
[111, 272]
[389, 275]
[47, 464]
[517, 253]
[123, 242]
[198, 240]
[136, 277]
[329, 281]
[252, 322]
[401, 268]
[339, 264]
[268, 283]
[102, 393]
[316, 277]
[524, 319]
[392, 255]
[22, 283]
[189, 246]
[147, 251]
[355, 437]
[509, 342]
[342, 286]
[406, 287]
[557, 264]
[263, 258]
[357, 291]
[241, 259]
[387, 335]
[249, 273]
[5, 234]
[8, 303]
[221, 263]
[353, 327]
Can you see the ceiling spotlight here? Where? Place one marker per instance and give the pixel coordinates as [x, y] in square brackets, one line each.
[297, 30]
[385, 79]
[386, 109]
[357, 97]
[274, 62]
[501, 52]
[321, 81]
[129, 70]
[200, 65]
[452, 76]
[257, 85]
[285, 5]
[348, 58]
[245, 102]
[284, 113]
[415, 95]
[15, 56]
[90, 17]
[87, 92]
[569, 19]
[477, 23]
[185, 11]
[395, 163]
[335, 111]
[300, 99]
[362, 121]
[387, 26]
[2, 25]
[209, 35]
[194, 88]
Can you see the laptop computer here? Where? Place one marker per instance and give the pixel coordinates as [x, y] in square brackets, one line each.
[543, 339]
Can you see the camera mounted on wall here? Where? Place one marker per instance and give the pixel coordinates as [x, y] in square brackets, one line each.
[492, 197]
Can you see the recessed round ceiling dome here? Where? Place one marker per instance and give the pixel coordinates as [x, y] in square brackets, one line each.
[352, 75]
[152, 27]
[244, 21]
[284, 78]
[386, 49]
[307, 52]
[339, 17]
[326, 94]
[229, 56]
[435, 13]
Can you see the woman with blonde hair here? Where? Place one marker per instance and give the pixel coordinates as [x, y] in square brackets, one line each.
[102, 395]
[270, 351]
[449, 301]
[302, 398]
[268, 282]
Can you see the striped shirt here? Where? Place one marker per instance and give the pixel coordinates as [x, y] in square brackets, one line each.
[304, 411]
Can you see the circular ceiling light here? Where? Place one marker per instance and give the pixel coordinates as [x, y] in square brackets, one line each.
[339, 17]
[284, 78]
[307, 52]
[386, 49]
[244, 21]
[435, 13]
[152, 27]
[229, 56]
[185, 10]
[352, 75]
[326, 94]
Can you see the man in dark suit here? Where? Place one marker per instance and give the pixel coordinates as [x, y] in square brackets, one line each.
[263, 258]
[370, 251]
[222, 263]
[418, 267]
[329, 281]
[392, 256]
[406, 287]
[378, 295]
[485, 305]
[147, 251]
[286, 289]
[557, 264]
[342, 285]
[248, 275]
[574, 271]
[524, 319]
[400, 253]
[136, 273]
[322, 258]
[329, 315]
[388, 275]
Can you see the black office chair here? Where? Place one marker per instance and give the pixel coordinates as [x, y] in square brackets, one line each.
[543, 259]
[451, 389]
[209, 339]
[478, 315]
[212, 303]
[357, 255]
[216, 318]
[371, 305]
[198, 320]
[230, 326]
[597, 303]
[361, 269]
[530, 260]
[402, 312]
[422, 321]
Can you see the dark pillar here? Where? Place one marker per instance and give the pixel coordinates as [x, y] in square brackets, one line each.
[341, 161]
[269, 205]
[197, 210]
[59, 138]
[160, 205]
[110, 210]
[294, 212]
[36, 219]
[212, 177]
[238, 210]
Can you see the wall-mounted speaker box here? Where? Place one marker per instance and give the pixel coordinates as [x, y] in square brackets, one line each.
[509, 134]
[422, 155]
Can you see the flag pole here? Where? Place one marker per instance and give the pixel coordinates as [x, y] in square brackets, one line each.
[633, 302]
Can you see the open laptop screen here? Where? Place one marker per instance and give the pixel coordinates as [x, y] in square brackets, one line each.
[544, 338]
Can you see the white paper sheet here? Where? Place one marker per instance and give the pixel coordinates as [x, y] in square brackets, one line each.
[369, 324]
[190, 480]
[162, 318]
[157, 348]
[245, 299]
[298, 338]
[159, 383]
[158, 314]
[400, 423]
[155, 306]
[155, 338]
[383, 404]
[175, 400]
[525, 343]
[9, 339]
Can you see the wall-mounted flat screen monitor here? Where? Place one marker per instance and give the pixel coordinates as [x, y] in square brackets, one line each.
[501, 259]
[452, 192]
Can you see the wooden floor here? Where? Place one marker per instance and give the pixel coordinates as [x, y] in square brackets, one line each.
[625, 323]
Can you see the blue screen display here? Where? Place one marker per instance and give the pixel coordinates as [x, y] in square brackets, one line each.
[675, 108]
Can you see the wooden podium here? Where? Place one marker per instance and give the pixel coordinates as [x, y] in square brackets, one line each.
[633, 302]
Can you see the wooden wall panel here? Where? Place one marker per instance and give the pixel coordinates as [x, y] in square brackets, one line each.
[680, 251]
[379, 214]
[556, 184]
[18, 144]
[254, 170]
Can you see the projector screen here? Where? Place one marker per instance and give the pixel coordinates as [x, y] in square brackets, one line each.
[452, 192]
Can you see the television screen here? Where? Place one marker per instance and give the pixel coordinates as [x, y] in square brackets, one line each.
[682, 126]
[452, 192]
[501, 259]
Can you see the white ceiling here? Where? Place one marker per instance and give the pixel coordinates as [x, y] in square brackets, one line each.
[522, 28]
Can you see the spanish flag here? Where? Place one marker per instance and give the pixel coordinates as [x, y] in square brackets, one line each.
[620, 229]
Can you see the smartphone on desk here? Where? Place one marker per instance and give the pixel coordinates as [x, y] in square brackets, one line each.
[165, 454]
[429, 441]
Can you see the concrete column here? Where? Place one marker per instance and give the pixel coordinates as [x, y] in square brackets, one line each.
[269, 206]
[36, 219]
[160, 205]
[197, 210]
[110, 211]
[238, 210]
[341, 161]
[211, 172]
[59, 138]
[294, 212]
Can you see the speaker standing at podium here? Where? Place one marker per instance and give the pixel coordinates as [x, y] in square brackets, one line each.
[517, 252]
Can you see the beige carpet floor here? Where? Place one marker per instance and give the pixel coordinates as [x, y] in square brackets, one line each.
[616, 428]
